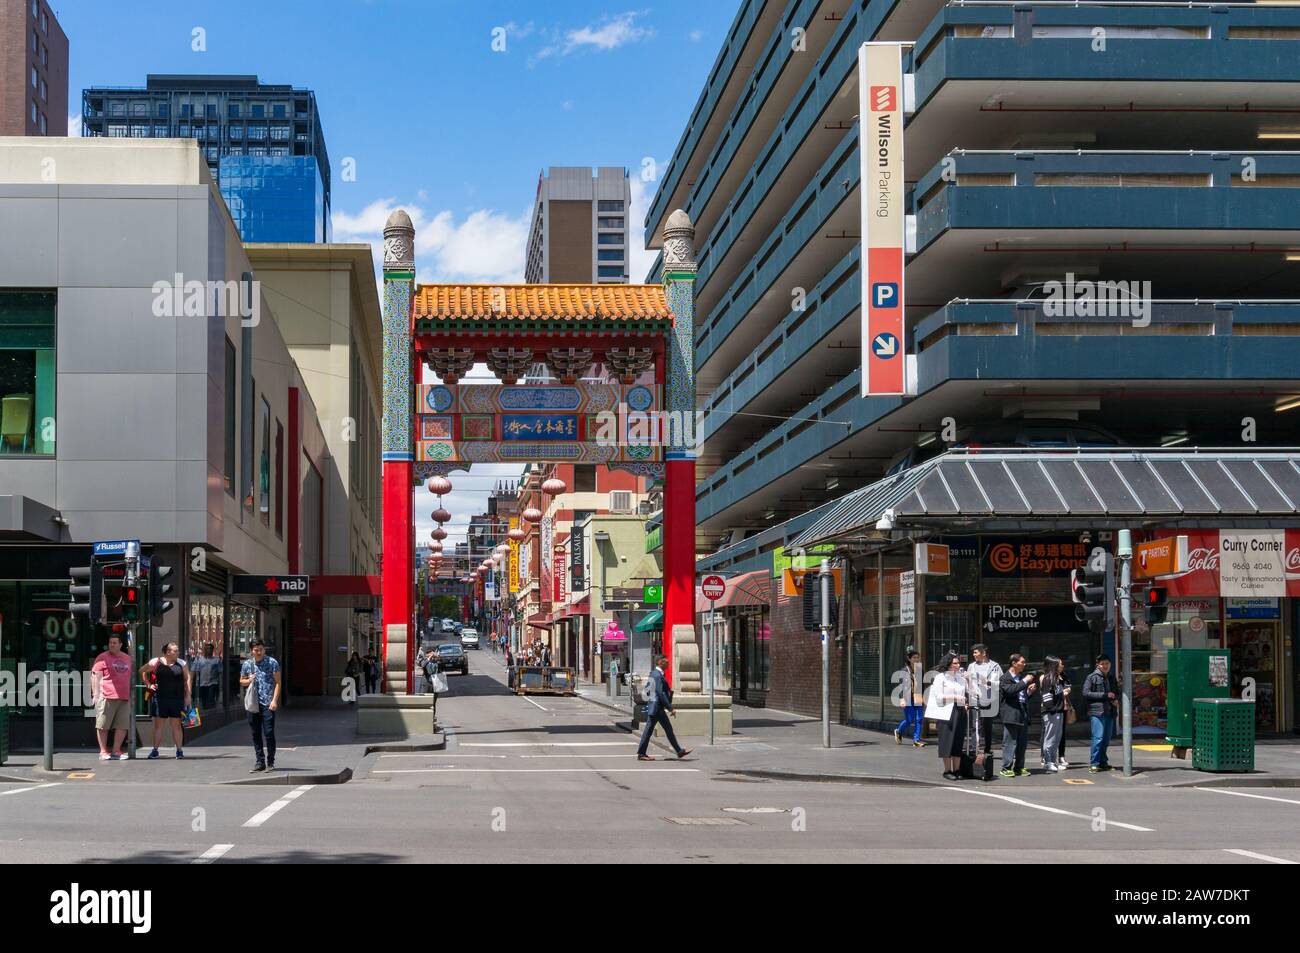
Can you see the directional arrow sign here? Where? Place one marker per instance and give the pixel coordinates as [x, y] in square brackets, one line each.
[884, 345]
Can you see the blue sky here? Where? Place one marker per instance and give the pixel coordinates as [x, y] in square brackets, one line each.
[436, 119]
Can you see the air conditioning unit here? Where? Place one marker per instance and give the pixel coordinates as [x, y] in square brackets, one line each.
[620, 501]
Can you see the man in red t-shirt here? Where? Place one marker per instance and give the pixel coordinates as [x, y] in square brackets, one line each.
[110, 689]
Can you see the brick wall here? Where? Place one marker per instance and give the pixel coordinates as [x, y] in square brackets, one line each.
[795, 676]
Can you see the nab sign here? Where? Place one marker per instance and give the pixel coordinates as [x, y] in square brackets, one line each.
[285, 588]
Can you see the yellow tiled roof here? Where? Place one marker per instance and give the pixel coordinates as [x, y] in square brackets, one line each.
[541, 303]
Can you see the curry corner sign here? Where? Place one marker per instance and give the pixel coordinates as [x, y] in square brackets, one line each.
[884, 217]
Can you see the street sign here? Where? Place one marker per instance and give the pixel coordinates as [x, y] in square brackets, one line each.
[713, 587]
[884, 216]
[907, 598]
[117, 547]
[1160, 557]
[279, 587]
[653, 595]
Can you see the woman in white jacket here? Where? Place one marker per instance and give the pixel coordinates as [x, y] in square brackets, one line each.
[949, 706]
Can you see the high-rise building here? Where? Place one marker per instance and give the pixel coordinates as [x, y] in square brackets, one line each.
[1099, 227]
[33, 70]
[579, 229]
[263, 144]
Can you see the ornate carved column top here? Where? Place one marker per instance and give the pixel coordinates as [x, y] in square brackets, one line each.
[399, 242]
[679, 243]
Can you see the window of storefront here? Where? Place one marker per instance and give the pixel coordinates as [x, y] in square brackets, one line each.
[38, 633]
[1191, 623]
[264, 464]
[207, 644]
[864, 646]
[756, 639]
[1253, 636]
[27, 372]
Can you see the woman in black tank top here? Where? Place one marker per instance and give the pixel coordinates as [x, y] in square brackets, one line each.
[171, 696]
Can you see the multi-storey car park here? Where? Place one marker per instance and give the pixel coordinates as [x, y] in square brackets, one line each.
[1142, 143]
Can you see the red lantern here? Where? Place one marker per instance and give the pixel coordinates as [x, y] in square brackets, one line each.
[532, 515]
[439, 485]
[554, 486]
[435, 546]
[440, 515]
[439, 533]
[517, 534]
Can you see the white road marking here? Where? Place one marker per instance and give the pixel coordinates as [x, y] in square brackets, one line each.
[215, 852]
[1260, 797]
[1049, 810]
[1251, 853]
[264, 815]
[547, 744]
[32, 787]
[443, 754]
[533, 703]
[452, 769]
[574, 755]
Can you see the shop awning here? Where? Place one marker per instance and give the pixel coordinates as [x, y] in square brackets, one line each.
[1011, 490]
[651, 623]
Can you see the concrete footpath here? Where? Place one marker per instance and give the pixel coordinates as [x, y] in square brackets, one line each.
[778, 745]
[316, 743]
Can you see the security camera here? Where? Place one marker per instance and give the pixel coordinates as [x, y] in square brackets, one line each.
[886, 521]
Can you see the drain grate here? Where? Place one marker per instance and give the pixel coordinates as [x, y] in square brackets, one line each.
[706, 821]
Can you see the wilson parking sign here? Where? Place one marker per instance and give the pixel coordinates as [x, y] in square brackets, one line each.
[884, 218]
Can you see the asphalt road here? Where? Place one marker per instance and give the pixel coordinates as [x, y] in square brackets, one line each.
[552, 779]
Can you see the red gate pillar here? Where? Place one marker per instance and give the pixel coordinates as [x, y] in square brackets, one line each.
[398, 453]
[680, 433]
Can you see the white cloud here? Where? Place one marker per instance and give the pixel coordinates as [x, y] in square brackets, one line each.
[696, 35]
[485, 246]
[74, 125]
[641, 259]
[609, 34]
[567, 105]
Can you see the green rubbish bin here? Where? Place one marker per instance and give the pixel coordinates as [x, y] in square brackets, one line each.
[1225, 734]
[1193, 674]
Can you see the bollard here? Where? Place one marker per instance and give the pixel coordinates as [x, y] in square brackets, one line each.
[47, 702]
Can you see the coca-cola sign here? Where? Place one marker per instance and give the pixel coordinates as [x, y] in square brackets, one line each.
[1292, 559]
[1203, 559]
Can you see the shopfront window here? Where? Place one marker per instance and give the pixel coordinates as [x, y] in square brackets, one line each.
[1253, 636]
[1191, 623]
[206, 650]
[864, 639]
[243, 629]
[757, 641]
[27, 372]
[37, 633]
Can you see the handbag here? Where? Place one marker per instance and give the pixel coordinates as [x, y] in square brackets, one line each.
[1071, 716]
[439, 683]
[250, 694]
[190, 718]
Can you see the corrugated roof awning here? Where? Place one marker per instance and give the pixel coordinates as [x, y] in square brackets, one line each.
[1011, 490]
[651, 623]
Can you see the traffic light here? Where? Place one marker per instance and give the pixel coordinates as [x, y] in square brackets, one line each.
[86, 590]
[812, 603]
[128, 602]
[1094, 591]
[1157, 610]
[158, 589]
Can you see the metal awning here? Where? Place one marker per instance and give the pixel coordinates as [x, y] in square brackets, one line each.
[1014, 490]
[651, 623]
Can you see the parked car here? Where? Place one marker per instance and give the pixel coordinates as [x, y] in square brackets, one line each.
[451, 657]
[449, 625]
[1039, 433]
[469, 638]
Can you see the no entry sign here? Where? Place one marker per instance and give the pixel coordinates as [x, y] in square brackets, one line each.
[713, 587]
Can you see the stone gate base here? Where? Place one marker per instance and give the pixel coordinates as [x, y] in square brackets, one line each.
[395, 715]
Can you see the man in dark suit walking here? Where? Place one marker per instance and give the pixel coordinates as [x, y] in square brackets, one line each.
[1016, 689]
[657, 711]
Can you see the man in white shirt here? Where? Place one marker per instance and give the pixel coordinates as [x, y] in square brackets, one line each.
[984, 675]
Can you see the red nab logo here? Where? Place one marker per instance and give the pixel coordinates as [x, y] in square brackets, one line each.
[884, 99]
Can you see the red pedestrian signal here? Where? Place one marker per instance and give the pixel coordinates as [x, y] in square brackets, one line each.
[129, 603]
[1157, 610]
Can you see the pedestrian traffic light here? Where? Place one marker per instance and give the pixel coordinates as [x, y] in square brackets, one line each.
[1157, 610]
[812, 603]
[158, 589]
[128, 602]
[86, 591]
[1094, 591]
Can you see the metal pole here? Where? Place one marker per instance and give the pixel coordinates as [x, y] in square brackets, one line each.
[824, 579]
[1126, 643]
[709, 663]
[130, 651]
[47, 702]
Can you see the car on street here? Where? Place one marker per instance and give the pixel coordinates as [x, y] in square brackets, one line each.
[449, 625]
[451, 658]
[469, 637]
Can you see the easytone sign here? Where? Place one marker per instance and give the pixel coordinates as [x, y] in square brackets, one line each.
[884, 217]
